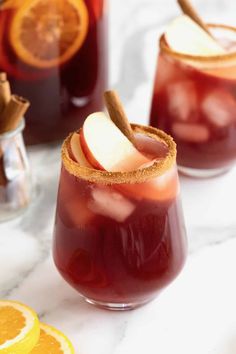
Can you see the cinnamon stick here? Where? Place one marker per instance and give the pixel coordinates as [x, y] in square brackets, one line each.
[117, 114]
[5, 92]
[13, 113]
[12, 109]
[189, 10]
[3, 179]
[3, 78]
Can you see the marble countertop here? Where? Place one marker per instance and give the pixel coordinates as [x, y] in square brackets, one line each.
[196, 313]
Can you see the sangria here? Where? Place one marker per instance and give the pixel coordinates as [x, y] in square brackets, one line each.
[195, 96]
[55, 54]
[119, 233]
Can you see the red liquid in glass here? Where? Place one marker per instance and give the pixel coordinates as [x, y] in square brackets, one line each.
[198, 109]
[62, 95]
[115, 245]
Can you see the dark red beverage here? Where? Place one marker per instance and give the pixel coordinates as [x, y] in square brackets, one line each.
[120, 244]
[55, 54]
[194, 100]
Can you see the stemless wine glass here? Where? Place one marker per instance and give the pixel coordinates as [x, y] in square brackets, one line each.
[119, 238]
[194, 100]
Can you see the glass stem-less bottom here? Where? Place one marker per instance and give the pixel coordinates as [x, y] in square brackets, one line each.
[202, 173]
[117, 306]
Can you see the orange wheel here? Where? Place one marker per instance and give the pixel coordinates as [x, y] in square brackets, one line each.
[52, 341]
[45, 34]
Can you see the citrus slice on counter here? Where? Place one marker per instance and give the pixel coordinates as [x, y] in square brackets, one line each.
[19, 328]
[52, 341]
[45, 34]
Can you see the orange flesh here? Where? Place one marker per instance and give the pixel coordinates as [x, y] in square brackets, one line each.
[11, 323]
[47, 344]
[48, 33]
[44, 38]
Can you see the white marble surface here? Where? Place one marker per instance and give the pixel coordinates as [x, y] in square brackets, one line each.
[197, 313]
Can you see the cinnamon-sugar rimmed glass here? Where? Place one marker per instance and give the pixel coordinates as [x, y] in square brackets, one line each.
[194, 100]
[119, 237]
[138, 176]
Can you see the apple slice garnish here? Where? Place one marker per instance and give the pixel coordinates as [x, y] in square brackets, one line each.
[77, 152]
[183, 35]
[106, 147]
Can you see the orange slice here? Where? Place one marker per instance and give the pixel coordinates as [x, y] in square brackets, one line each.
[11, 4]
[19, 328]
[52, 341]
[45, 34]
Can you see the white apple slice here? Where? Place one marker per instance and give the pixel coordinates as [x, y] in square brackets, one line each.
[106, 147]
[77, 151]
[185, 36]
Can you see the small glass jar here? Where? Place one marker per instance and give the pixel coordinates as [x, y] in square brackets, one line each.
[15, 180]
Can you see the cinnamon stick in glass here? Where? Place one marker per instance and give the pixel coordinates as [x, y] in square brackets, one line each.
[12, 110]
[117, 114]
[189, 10]
[5, 92]
[5, 95]
[3, 179]
[13, 113]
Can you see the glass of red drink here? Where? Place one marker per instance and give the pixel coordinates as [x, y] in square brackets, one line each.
[194, 100]
[55, 54]
[119, 237]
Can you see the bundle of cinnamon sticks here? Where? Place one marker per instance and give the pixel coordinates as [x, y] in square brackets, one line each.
[12, 107]
[12, 110]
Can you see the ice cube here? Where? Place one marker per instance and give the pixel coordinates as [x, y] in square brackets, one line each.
[75, 213]
[161, 188]
[219, 107]
[182, 100]
[168, 71]
[110, 203]
[190, 132]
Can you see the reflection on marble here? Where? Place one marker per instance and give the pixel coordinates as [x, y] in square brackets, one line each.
[196, 314]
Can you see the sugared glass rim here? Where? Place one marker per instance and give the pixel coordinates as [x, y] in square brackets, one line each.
[158, 168]
[220, 58]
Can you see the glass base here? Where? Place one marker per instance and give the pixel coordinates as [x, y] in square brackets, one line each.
[202, 173]
[116, 306]
[8, 213]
